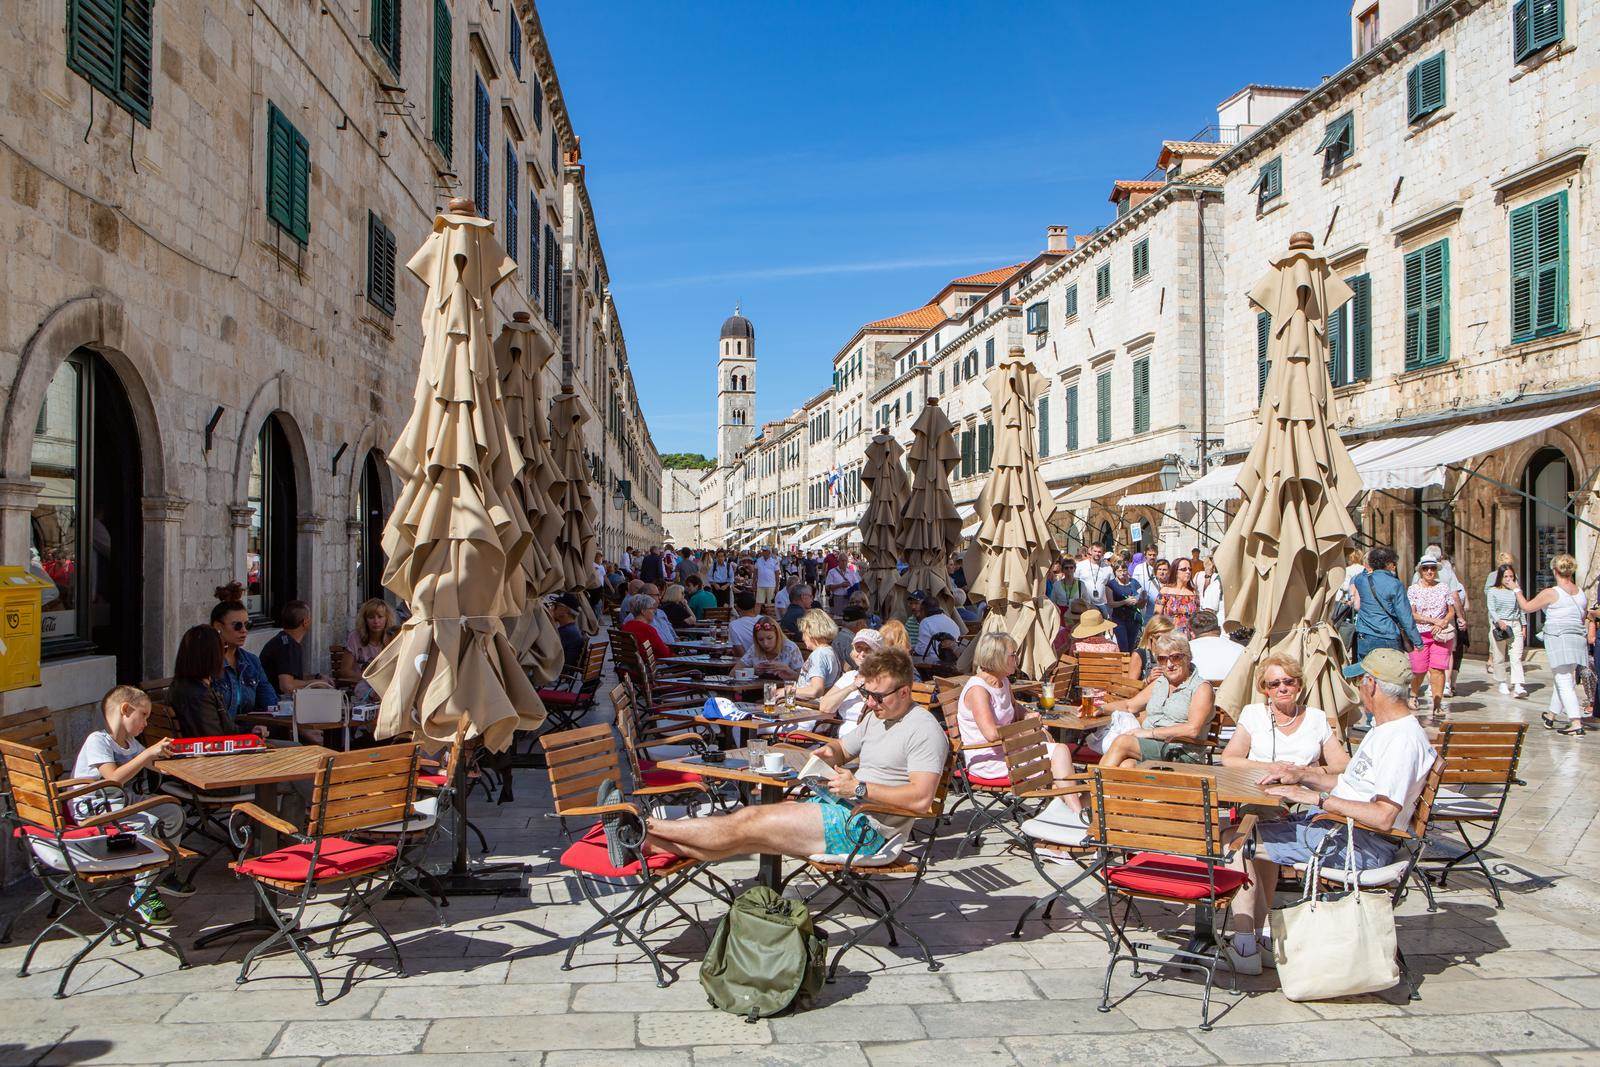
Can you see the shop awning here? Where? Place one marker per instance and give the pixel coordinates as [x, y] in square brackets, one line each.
[1214, 486]
[831, 536]
[1424, 459]
[1088, 494]
[816, 540]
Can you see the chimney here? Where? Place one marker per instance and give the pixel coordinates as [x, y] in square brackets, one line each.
[1055, 239]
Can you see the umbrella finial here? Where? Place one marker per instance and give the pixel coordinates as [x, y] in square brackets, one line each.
[1016, 352]
[521, 316]
[933, 401]
[1300, 239]
[462, 205]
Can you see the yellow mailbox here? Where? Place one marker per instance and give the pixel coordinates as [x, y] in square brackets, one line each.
[21, 594]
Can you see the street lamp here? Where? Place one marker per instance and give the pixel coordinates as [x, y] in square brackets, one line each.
[1171, 471]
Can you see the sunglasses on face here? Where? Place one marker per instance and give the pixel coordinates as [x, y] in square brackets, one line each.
[872, 697]
[238, 626]
[1171, 661]
[1281, 683]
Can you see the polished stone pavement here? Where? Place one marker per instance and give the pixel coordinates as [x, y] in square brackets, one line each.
[1511, 986]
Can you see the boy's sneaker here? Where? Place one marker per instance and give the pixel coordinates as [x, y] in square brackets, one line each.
[153, 910]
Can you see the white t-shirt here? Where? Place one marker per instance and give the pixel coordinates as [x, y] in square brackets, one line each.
[766, 571]
[742, 630]
[852, 706]
[1211, 596]
[1214, 657]
[836, 582]
[1392, 762]
[781, 601]
[932, 627]
[1268, 744]
[100, 748]
[1094, 577]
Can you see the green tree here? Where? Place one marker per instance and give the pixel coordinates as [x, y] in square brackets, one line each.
[686, 461]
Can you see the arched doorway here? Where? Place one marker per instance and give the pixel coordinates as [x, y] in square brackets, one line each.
[271, 563]
[370, 513]
[1547, 529]
[86, 532]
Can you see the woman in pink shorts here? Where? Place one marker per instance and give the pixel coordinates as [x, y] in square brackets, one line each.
[1434, 608]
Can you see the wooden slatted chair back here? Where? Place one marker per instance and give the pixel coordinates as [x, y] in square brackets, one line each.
[1102, 670]
[157, 688]
[578, 761]
[943, 792]
[949, 710]
[362, 789]
[925, 694]
[1425, 799]
[718, 614]
[163, 723]
[1481, 753]
[1059, 677]
[35, 728]
[1027, 758]
[31, 780]
[594, 664]
[627, 714]
[1158, 811]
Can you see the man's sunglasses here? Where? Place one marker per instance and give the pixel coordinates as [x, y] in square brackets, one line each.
[872, 697]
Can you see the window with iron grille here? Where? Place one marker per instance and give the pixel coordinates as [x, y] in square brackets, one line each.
[444, 94]
[385, 31]
[109, 43]
[380, 265]
[288, 176]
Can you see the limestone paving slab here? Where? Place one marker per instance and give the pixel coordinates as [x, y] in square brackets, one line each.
[372, 1037]
[1512, 1031]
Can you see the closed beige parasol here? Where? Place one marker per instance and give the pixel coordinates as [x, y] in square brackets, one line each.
[932, 528]
[885, 480]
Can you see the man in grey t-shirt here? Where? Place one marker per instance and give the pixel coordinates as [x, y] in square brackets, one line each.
[902, 752]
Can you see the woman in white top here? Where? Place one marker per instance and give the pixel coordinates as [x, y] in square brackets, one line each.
[1280, 729]
[1565, 640]
[986, 705]
[771, 653]
[844, 700]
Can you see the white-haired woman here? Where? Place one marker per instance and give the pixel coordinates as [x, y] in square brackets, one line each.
[639, 612]
[1174, 711]
[1280, 729]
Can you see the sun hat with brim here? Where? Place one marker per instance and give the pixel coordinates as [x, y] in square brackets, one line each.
[869, 637]
[1385, 664]
[1092, 622]
[1427, 561]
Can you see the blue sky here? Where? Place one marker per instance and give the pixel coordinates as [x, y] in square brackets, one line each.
[831, 163]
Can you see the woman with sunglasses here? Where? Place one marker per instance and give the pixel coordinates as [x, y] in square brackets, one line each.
[1433, 605]
[1179, 600]
[1280, 729]
[771, 653]
[243, 686]
[1174, 711]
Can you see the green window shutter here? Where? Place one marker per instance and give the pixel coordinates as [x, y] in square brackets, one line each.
[1427, 297]
[288, 176]
[511, 202]
[1539, 268]
[300, 186]
[966, 454]
[1044, 426]
[480, 146]
[109, 43]
[1039, 317]
[1263, 363]
[1141, 395]
[1338, 342]
[1338, 141]
[444, 97]
[534, 274]
[1535, 24]
[514, 42]
[1269, 182]
[386, 31]
[1425, 88]
[985, 446]
[1102, 281]
[380, 265]
[1102, 406]
[1072, 301]
[1360, 327]
[1072, 418]
[1141, 259]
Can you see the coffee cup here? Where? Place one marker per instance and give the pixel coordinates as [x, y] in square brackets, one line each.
[774, 762]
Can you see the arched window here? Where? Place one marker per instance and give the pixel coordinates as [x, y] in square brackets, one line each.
[1547, 529]
[271, 569]
[86, 530]
[370, 513]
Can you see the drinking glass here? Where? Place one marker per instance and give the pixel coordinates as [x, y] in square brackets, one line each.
[1047, 699]
[755, 752]
[768, 697]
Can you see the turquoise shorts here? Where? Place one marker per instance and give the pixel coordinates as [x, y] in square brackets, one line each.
[843, 830]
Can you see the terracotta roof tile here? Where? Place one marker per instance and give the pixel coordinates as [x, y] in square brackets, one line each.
[921, 319]
[989, 277]
[1120, 187]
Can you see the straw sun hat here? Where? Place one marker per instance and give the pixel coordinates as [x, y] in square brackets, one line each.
[1092, 622]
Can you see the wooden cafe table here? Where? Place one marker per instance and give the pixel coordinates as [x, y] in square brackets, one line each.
[1232, 785]
[736, 768]
[263, 771]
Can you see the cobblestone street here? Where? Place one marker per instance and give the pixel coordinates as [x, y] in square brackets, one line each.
[1512, 986]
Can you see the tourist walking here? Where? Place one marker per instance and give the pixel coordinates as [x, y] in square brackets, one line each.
[1508, 631]
[1178, 600]
[1565, 608]
[1433, 606]
[1383, 614]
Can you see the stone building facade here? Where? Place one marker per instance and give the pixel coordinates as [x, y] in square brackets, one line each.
[209, 338]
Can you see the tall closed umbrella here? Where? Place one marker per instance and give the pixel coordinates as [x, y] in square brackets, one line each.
[576, 541]
[456, 536]
[885, 480]
[1010, 555]
[521, 352]
[1282, 559]
[931, 529]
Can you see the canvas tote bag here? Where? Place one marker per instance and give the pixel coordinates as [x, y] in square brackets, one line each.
[1337, 944]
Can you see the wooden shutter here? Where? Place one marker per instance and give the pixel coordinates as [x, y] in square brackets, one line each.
[1427, 296]
[133, 60]
[985, 446]
[1141, 395]
[1263, 364]
[109, 45]
[300, 186]
[1102, 404]
[1539, 268]
[1360, 321]
[551, 280]
[988, 352]
[966, 454]
[386, 31]
[480, 146]
[380, 265]
[511, 198]
[1072, 418]
[1535, 24]
[288, 176]
[1425, 88]
[1044, 426]
[1072, 301]
[1102, 281]
[514, 42]
[443, 80]
[1141, 258]
[535, 275]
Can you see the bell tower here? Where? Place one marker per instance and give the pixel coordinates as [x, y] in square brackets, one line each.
[736, 388]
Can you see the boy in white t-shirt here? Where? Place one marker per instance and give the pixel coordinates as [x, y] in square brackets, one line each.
[115, 756]
[1378, 789]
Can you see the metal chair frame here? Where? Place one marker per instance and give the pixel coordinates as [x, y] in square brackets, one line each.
[353, 791]
[1483, 758]
[990, 807]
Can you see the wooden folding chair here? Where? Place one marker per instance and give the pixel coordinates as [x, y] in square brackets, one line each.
[1049, 833]
[1106, 672]
[353, 792]
[662, 787]
[1479, 769]
[580, 761]
[1172, 826]
[855, 875]
[84, 864]
[988, 800]
[574, 693]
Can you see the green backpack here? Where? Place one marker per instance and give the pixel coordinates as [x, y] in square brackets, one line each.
[764, 955]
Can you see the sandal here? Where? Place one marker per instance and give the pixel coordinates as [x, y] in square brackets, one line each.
[1575, 730]
[1549, 720]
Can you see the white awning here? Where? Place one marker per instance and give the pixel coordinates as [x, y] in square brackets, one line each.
[1216, 485]
[1424, 459]
[1088, 494]
[831, 536]
[817, 540]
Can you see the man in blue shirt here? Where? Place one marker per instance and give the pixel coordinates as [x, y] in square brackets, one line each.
[1383, 612]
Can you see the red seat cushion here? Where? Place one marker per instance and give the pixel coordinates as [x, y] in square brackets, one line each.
[337, 857]
[1084, 754]
[559, 696]
[986, 783]
[438, 781]
[1173, 876]
[654, 777]
[72, 833]
[588, 854]
[797, 739]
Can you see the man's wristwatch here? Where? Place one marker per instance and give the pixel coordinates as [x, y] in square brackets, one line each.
[861, 792]
[1322, 798]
